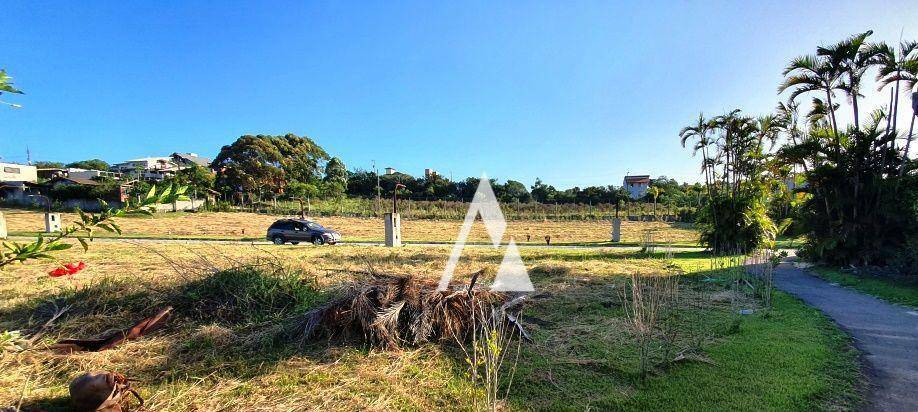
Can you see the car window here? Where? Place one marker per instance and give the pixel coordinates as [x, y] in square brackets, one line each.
[282, 225]
[314, 226]
[297, 226]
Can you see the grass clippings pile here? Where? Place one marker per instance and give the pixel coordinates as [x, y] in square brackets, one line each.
[391, 310]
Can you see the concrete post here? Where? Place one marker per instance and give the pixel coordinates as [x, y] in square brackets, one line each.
[52, 222]
[393, 229]
[616, 230]
[3, 232]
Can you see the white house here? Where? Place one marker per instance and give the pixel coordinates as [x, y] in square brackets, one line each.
[17, 174]
[637, 185]
[159, 168]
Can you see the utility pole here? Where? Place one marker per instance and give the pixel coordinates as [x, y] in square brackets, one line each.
[28, 154]
[376, 172]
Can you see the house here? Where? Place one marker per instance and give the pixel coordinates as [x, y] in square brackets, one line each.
[637, 185]
[430, 173]
[189, 159]
[72, 181]
[92, 174]
[120, 194]
[14, 174]
[51, 173]
[154, 168]
[15, 179]
[391, 171]
[159, 168]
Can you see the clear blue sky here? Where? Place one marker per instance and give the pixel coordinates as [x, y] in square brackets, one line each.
[576, 93]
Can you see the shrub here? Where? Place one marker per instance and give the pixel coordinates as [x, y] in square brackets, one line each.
[736, 224]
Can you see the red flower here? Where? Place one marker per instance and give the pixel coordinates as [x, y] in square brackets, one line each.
[67, 269]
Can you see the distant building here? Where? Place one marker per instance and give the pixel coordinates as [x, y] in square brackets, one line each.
[92, 174]
[430, 173]
[391, 171]
[51, 173]
[15, 179]
[189, 159]
[72, 181]
[637, 185]
[159, 168]
[14, 174]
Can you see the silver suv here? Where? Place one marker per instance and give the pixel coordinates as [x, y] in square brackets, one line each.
[300, 230]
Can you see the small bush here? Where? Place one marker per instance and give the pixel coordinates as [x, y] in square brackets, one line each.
[739, 223]
[250, 294]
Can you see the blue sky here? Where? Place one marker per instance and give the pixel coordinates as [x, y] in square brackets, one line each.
[577, 93]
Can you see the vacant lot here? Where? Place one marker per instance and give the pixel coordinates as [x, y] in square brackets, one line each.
[214, 357]
[251, 225]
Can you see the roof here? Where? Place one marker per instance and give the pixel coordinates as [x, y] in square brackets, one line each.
[77, 180]
[637, 179]
[146, 160]
[192, 158]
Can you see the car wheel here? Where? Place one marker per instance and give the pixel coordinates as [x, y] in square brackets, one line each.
[278, 240]
[318, 241]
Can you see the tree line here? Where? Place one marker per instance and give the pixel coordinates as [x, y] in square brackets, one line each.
[855, 196]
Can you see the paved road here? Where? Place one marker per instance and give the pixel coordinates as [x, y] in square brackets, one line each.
[885, 333]
[659, 248]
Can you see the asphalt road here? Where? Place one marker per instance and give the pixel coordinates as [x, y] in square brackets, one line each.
[885, 333]
[307, 244]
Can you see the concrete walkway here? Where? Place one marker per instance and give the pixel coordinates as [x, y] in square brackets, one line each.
[885, 333]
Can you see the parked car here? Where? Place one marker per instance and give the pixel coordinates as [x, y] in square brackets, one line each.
[299, 230]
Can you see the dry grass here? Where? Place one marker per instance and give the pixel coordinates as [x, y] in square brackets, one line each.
[583, 356]
[251, 225]
[183, 366]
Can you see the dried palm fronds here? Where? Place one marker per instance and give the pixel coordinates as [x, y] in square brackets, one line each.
[390, 310]
[115, 338]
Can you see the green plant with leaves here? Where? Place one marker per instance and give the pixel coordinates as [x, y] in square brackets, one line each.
[859, 187]
[82, 230]
[6, 83]
[6, 86]
[737, 172]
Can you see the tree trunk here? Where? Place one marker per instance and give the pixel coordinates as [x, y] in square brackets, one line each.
[895, 111]
[857, 121]
[834, 124]
[908, 143]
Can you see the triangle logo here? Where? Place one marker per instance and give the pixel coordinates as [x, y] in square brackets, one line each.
[512, 275]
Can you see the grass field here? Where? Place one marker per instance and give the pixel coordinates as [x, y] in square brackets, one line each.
[899, 291]
[221, 225]
[216, 357]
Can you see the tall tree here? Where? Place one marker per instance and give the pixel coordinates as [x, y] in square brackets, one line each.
[335, 171]
[850, 59]
[814, 74]
[91, 164]
[264, 164]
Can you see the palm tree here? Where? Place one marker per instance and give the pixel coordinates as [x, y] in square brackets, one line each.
[894, 68]
[819, 116]
[814, 74]
[850, 57]
[654, 192]
[700, 131]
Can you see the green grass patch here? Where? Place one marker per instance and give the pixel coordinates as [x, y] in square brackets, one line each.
[898, 291]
